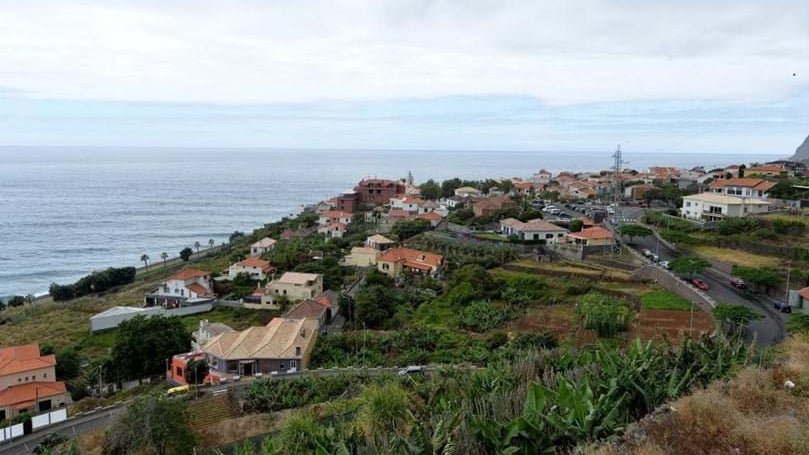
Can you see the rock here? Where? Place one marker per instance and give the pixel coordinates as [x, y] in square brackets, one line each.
[789, 384]
[802, 152]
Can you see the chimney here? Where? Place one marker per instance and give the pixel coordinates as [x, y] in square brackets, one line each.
[303, 333]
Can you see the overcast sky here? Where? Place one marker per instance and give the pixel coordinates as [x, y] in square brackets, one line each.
[691, 76]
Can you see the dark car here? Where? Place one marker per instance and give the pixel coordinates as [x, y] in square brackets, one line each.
[700, 284]
[738, 283]
[782, 307]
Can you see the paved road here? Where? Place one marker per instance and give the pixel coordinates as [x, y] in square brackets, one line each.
[768, 331]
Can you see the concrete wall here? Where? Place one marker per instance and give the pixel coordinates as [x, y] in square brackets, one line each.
[674, 284]
[113, 321]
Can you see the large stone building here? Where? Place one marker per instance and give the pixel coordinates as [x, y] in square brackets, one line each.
[378, 191]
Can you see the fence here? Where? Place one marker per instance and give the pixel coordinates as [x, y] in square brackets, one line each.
[37, 422]
[8, 433]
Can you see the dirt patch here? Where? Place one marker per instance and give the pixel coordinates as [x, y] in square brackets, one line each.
[651, 324]
[560, 320]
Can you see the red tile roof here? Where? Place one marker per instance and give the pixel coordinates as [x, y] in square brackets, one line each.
[306, 309]
[407, 255]
[23, 396]
[592, 233]
[188, 274]
[18, 359]
[430, 216]
[336, 214]
[744, 182]
[804, 293]
[198, 289]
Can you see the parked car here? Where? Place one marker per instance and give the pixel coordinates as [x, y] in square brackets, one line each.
[646, 252]
[782, 307]
[700, 284]
[555, 211]
[738, 283]
[412, 369]
[665, 264]
[655, 258]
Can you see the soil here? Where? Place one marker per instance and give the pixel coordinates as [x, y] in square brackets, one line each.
[652, 324]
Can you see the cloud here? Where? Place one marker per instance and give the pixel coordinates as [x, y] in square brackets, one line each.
[562, 53]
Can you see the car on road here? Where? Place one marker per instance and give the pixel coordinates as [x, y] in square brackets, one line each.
[646, 253]
[655, 258]
[412, 369]
[665, 264]
[700, 284]
[738, 283]
[782, 307]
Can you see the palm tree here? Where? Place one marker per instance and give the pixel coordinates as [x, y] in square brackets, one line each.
[210, 243]
[145, 259]
[196, 246]
[164, 256]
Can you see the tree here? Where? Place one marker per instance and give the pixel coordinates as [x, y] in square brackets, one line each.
[185, 254]
[196, 246]
[152, 424]
[737, 315]
[145, 259]
[68, 364]
[632, 230]
[576, 225]
[374, 305]
[404, 229]
[430, 189]
[210, 243]
[16, 301]
[235, 236]
[164, 256]
[689, 265]
[143, 345]
[196, 371]
[760, 277]
[448, 187]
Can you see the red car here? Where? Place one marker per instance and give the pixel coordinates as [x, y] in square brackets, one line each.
[738, 283]
[700, 284]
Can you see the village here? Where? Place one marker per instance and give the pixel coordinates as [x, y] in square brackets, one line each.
[485, 265]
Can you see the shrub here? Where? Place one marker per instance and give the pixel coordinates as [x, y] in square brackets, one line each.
[607, 316]
[95, 282]
[481, 316]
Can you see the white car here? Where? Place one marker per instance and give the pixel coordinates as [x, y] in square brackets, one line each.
[412, 369]
[646, 252]
[655, 258]
[665, 265]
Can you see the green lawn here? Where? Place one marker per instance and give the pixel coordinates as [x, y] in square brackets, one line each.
[664, 300]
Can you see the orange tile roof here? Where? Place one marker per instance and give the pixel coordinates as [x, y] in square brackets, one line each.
[306, 309]
[23, 396]
[592, 233]
[804, 293]
[253, 261]
[744, 182]
[766, 169]
[398, 214]
[198, 289]
[336, 214]
[430, 216]
[17, 359]
[187, 274]
[409, 255]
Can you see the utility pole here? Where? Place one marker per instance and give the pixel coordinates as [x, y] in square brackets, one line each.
[364, 335]
[99, 381]
[789, 266]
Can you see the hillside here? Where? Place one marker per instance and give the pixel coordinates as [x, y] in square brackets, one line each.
[802, 152]
[756, 412]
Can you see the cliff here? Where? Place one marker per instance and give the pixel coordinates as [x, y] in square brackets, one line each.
[802, 152]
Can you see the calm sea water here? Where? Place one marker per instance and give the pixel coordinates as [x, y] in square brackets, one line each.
[65, 212]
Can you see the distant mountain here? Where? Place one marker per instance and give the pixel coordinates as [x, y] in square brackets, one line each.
[802, 152]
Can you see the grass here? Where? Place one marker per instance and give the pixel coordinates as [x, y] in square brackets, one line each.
[490, 236]
[784, 217]
[736, 257]
[664, 300]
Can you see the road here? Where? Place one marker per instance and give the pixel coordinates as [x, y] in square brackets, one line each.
[768, 331]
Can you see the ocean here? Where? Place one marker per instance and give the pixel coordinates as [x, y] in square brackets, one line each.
[66, 211]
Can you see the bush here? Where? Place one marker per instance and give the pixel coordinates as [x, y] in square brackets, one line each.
[607, 316]
[481, 316]
[93, 283]
[731, 226]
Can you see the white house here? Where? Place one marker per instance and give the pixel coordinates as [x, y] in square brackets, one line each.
[333, 229]
[411, 204]
[294, 285]
[537, 230]
[715, 207]
[361, 256]
[379, 242]
[258, 269]
[744, 187]
[186, 286]
[468, 191]
[264, 245]
[334, 216]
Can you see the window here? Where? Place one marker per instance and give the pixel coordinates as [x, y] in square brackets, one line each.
[298, 351]
[45, 375]
[688, 203]
[179, 372]
[34, 377]
[548, 236]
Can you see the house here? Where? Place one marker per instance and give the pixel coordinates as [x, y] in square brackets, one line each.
[433, 217]
[308, 309]
[771, 170]
[580, 190]
[373, 191]
[361, 256]
[398, 260]
[638, 192]
[537, 230]
[591, 236]
[746, 187]
[396, 215]
[379, 242]
[334, 229]
[803, 298]
[294, 285]
[528, 188]
[206, 331]
[543, 177]
[179, 368]
[409, 204]
[263, 246]
[186, 287]
[455, 201]
[331, 300]
[467, 191]
[715, 207]
[334, 216]
[489, 206]
[348, 201]
[28, 382]
[257, 268]
[300, 233]
[283, 345]
[113, 317]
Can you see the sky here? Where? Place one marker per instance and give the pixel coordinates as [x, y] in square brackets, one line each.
[579, 75]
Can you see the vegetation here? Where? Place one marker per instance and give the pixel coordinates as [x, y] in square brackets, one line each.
[634, 230]
[93, 283]
[607, 316]
[664, 300]
[185, 254]
[430, 190]
[760, 278]
[404, 229]
[153, 424]
[737, 316]
[689, 265]
[143, 345]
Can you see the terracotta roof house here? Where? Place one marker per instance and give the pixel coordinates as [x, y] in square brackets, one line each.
[334, 229]
[28, 382]
[433, 217]
[373, 191]
[591, 236]
[282, 345]
[257, 268]
[537, 230]
[467, 191]
[772, 170]
[528, 188]
[330, 299]
[398, 260]
[289, 234]
[396, 215]
[335, 216]
[308, 309]
[186, 287]
[294, 285]
[264, 245]
[803, 295]
[743, 187]
[361, 256]
[488, 206]
[409, 204]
